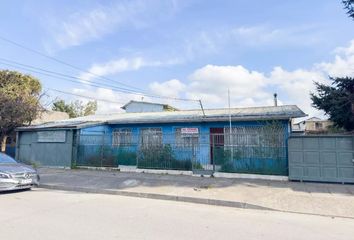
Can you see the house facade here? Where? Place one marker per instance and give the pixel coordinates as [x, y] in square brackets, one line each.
[312, 125]
[190, 140]
[141, 106]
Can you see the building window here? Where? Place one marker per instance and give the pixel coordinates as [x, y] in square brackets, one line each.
[150, 137]
[242, 136]
[186, 140]
[255, 136]
[318, 125]
[122, 137]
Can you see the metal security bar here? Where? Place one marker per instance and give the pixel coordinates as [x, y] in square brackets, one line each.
[251, 149]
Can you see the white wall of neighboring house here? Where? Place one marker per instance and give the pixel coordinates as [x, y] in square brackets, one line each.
[321, 125]
[50, 116]
[143, 107]
[311, 125]
[140, 106]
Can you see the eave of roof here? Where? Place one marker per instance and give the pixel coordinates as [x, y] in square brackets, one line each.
[59, 125]
[212, 115]
[237, 114]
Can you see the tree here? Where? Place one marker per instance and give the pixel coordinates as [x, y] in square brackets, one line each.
[61, 106]
[91, 108]
[349, 6]
[337, 101]
[76, 108]
[19, 102]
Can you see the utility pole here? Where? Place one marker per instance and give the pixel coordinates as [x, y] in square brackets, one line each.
[201, 106]
[230, 126]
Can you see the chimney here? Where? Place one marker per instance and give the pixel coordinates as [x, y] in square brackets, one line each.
[275, 99]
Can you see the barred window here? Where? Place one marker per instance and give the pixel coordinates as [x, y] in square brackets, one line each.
[122, 137]
[242, 136]
[186, 140]
[253, 136]
[151, 137]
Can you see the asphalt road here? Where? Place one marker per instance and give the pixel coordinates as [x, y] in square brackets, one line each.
[44, 214]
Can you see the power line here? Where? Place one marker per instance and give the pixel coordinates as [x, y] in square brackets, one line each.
[83, 70]
[83, 96]
[64, 63]
[60, 74]
[80, 81]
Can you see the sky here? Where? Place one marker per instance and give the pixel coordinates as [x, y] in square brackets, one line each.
[184, 49]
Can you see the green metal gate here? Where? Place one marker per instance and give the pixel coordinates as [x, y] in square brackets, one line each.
[321, 158]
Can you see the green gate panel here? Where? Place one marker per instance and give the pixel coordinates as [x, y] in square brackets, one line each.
[321, 158]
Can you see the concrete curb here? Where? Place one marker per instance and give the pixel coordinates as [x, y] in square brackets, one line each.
[207, 201]
[214, 202]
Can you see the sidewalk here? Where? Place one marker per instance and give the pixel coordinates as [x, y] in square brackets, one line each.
[309, 198]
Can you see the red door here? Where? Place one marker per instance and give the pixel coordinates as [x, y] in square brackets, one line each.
[216, 140]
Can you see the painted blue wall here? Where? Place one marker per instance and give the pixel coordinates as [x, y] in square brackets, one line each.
[168, 131]
[96, 130]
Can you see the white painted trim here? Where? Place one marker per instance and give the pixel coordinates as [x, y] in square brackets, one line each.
[251, 176]
[99, 168]
[53, 167]
[170, 172]
[127, 168]
[134, 169]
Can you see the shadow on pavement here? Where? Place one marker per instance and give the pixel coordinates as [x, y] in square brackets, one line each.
[14, 191]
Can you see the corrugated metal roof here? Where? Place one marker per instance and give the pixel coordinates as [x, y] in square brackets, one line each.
[63, 124]
[237, 114]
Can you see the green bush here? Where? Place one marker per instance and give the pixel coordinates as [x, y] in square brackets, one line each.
[222, 156]
[197, 166]
[161, 157]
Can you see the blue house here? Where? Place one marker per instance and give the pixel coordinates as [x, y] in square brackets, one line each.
[158, 136]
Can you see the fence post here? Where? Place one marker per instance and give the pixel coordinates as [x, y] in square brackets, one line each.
[102, 149]
[17, 150]
[75, 149]
[137, 148]
[193, 155]
[213, 157]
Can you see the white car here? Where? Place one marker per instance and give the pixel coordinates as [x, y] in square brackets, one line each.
[14, 175]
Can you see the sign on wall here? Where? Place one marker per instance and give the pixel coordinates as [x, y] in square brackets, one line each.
[51, 136]
[189, 130]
